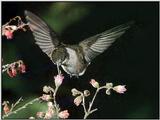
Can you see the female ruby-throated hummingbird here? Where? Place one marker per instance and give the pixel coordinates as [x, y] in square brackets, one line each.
[74, 59]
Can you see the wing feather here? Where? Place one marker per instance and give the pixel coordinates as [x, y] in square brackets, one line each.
[97, 44]
[45, 38]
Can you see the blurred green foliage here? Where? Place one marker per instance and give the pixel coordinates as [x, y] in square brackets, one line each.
[61, 15]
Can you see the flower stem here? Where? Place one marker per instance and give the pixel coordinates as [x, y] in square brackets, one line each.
[89, 111]
[5, 67]
[83, 104]
[14, 105]
[90, 105]
[55, 103]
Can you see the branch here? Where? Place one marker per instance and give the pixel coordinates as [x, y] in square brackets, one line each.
[83, 104]
[14, 105]
[19, 109]
[89, 111]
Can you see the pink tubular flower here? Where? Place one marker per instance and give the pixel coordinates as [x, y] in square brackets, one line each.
[78, 100]
[49, 114]
[22, 68]
[58, 80]
[8, 34]
[6, 109]
[40, 114]
[12, 72]
[64, 114]
[120, 89]
[50, 105]
[94, 83]
[45, 97]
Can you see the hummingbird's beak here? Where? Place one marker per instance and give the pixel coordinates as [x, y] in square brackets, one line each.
[59, 71]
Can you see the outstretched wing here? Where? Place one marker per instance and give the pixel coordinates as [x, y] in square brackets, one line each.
[45, 38]
[97, 44]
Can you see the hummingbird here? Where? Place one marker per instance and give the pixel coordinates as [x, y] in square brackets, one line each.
[74, 59]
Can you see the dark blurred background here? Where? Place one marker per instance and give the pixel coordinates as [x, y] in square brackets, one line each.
[132, 60]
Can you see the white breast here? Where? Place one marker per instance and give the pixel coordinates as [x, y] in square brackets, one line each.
[72, 56]
[71, 62]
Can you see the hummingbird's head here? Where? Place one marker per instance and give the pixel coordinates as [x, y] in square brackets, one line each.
[59, 55]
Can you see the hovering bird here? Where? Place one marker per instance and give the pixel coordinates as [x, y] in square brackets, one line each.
[74, 59]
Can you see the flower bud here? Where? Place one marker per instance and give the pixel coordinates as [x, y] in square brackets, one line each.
[8, 34]
[14, 71]
[63, 114]
[94, 83]
[58, 80]
[120, 89]
[75, 92]
[109, 85]
[22, 68]
[47, 89]
[78, 100]
[49, 114]
[50, 104]
[6, 109]
[86, 93]
[45, 97]
[31, 117]
[40, 114]
[9, 72]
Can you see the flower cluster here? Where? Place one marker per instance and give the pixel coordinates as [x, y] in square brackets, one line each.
[109, 86]
[53, 110]
[49, 96]
[80, 96]
[51, 113]
[13, 68]
[8, 30]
